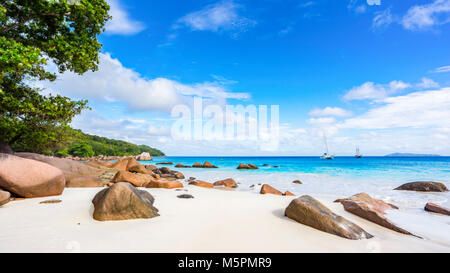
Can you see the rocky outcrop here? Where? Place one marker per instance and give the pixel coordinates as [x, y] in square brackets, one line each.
[151, 168]
[308, 211]
[267, 189]
[138, 169]
[164, 184]
[197, 165]
[431, 207]
[243, 166]
[85, 182]
[371, 209]
[30, 178]
[202, 184]
[144, 157]
[5, 197]
[122, 201]
[137, 180]
[423, 186]
[227, 183]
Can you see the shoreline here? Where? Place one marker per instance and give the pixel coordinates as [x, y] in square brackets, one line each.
[214, 221]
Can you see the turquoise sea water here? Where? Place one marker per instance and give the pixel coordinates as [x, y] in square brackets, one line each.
[342, 177]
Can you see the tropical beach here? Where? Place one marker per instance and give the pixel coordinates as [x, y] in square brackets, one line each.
[224, 126]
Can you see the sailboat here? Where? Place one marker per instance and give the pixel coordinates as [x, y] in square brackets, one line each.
[326, 155]
[358, 155]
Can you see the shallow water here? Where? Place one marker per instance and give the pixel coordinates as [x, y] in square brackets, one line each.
[343, 177]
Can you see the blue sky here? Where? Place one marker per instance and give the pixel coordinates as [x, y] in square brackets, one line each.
[374, 76]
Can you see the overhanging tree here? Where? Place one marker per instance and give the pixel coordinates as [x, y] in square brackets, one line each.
[33, 33]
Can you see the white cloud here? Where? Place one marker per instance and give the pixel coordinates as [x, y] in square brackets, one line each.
[370, 90]
[442, 69]
[426, 16]
[427, 84]
[418, 110]
[382, 19]
[114, 82]
[221, 16]
[330, 111]
[322, 121]
[121, 23]
[158, 130]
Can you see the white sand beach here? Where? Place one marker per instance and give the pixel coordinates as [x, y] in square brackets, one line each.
[214, 221]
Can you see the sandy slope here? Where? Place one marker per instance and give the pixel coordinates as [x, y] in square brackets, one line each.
[215, 221]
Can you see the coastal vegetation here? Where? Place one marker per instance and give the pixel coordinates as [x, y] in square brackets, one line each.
[38, 38]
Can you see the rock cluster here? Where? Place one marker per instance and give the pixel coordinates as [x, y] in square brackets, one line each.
[207, 164]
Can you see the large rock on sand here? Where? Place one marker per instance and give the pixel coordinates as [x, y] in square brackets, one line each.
[431, 207]
[125, 164]
[164, 184]
[267, 189]
[228, 183]
[4, 197]
[308, 211]
[30, 178]
[138, 180]
[371, 209]
[122, 201]
[138, 169]
[70, 168]
[423, 186]
[202, 184]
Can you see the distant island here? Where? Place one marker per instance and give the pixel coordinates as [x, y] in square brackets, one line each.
[410, 155]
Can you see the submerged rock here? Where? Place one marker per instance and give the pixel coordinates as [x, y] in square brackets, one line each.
[297, 182]
[179, 165]
[371, 209]
[5, 197]
[30, 178]
[423, 186]
[123, 202]
[308, 211]
[431, 207]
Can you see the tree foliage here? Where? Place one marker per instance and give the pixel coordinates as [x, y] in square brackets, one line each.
[34, 33]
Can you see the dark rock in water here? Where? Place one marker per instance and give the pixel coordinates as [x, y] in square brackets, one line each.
[308, 211]
[276, 166]
[423, 186]
[243, 166]
[297, 182]
[209, 165]
[185, 196]
[197, 165]
[431, 207]
[123, 202]
[371, 209]
[266, 165]
[5, 148]
[179, 165]
[5, 197]
[51, 201]
[191, 178]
